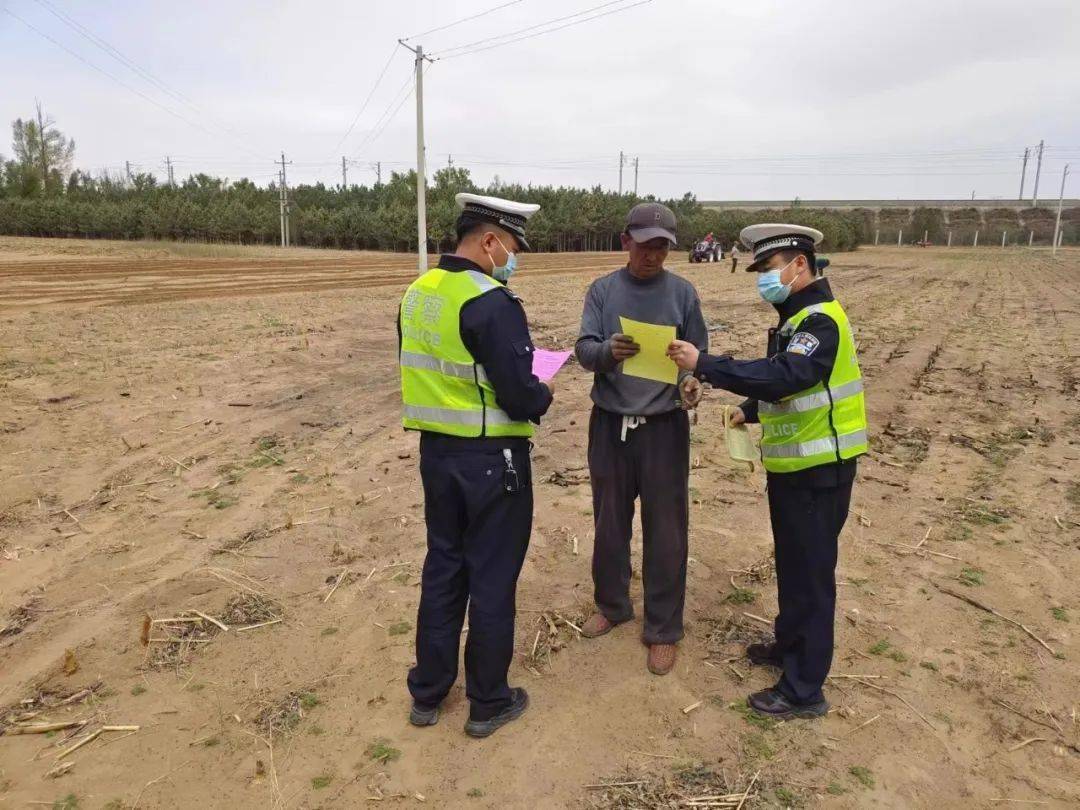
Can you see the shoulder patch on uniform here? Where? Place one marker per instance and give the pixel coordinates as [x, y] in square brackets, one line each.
[803, 343]
[513, 295]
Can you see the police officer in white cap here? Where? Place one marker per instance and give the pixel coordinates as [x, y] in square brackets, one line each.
[467, 386]
[808, 395]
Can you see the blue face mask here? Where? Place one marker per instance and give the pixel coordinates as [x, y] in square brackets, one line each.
[503, 273]
[771, 288]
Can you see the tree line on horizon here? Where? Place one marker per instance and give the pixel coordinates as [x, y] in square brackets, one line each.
[41, 194]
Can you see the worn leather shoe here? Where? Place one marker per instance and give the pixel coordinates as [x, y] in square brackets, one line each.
[772, 703]
[661, 658]
[519, 702]
[764, 655]
[423, 716]
[597, 625]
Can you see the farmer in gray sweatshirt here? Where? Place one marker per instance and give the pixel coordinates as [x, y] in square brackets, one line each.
[639, 436]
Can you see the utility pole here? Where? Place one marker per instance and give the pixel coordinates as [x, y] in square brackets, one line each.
[1057, 224]
[1038, 171]
[344, 175]
[377, 166]
[421, 179]
[622, 160]
[283, 202]
[1023, 173]
[127, 169]
[169, 171]
[449, 161]
[636, 161]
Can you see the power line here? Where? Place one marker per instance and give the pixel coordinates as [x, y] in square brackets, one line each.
[367, 100]
[404, 91]
[470, 47]
[113, 78]
[463, 20]
[120, 57]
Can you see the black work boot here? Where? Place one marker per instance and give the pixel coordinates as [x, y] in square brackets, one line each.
[764, 655]
[423, 716]
[519, 702]
[773, 703]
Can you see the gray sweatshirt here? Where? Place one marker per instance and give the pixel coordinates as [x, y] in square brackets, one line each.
[665, 299]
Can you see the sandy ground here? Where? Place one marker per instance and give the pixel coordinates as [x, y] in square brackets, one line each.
[175, 438]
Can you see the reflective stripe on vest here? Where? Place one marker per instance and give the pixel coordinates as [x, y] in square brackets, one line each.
[455, 417]
[426, 361]
[808, 402]
[792, 323]
[815, 447]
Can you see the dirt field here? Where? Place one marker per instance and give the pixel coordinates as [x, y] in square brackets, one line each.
[174, 438]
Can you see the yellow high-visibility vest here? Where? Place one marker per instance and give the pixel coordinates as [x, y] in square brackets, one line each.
[824, 424]
[443, 388]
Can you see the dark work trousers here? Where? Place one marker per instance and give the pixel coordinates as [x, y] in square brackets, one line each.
[477, 535]
[653, 464]
[806, 522]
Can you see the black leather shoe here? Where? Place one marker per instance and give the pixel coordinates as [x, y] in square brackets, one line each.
[764, 655]
[420, 716]
[519, 702]
[772, 703]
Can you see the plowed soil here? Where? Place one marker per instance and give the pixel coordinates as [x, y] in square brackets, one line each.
[219, 433]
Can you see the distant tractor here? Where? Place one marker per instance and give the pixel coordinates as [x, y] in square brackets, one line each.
[705, 251]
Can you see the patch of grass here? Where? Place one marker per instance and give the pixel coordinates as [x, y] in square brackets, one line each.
[930, 665]
[1059, 614]
[216, 498]
[976, 515]
[69, 802]
[212, 742]
[475, 793]
[958, 532]
[741, 596]
[316, 731]
[401, 577]
[898, 656]
[863, 775]
[880, 647]
[233, 473]
[751, 717]
[328, 631]
[835, 789]
[321, 782]
[756, 746]
[381, 751]
[785, 796]
[971, 577]
[399, 628]
[309, 700]
[138, 689]
[300, 478]
[268, 442]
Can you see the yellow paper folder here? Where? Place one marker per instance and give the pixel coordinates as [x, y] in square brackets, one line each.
[652, 362]
[740, 445]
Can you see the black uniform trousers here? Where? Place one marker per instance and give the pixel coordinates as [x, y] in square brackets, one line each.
[477, 536]
[653, 464]
[806, 523]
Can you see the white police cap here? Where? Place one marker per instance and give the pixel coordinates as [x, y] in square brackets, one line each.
[507, 214]
[767, 238]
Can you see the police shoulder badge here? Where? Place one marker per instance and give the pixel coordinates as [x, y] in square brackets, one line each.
[803, 343]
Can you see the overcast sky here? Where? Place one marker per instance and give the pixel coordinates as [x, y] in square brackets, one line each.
[755, 99]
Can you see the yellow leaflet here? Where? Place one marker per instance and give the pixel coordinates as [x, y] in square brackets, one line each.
[652, 362]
